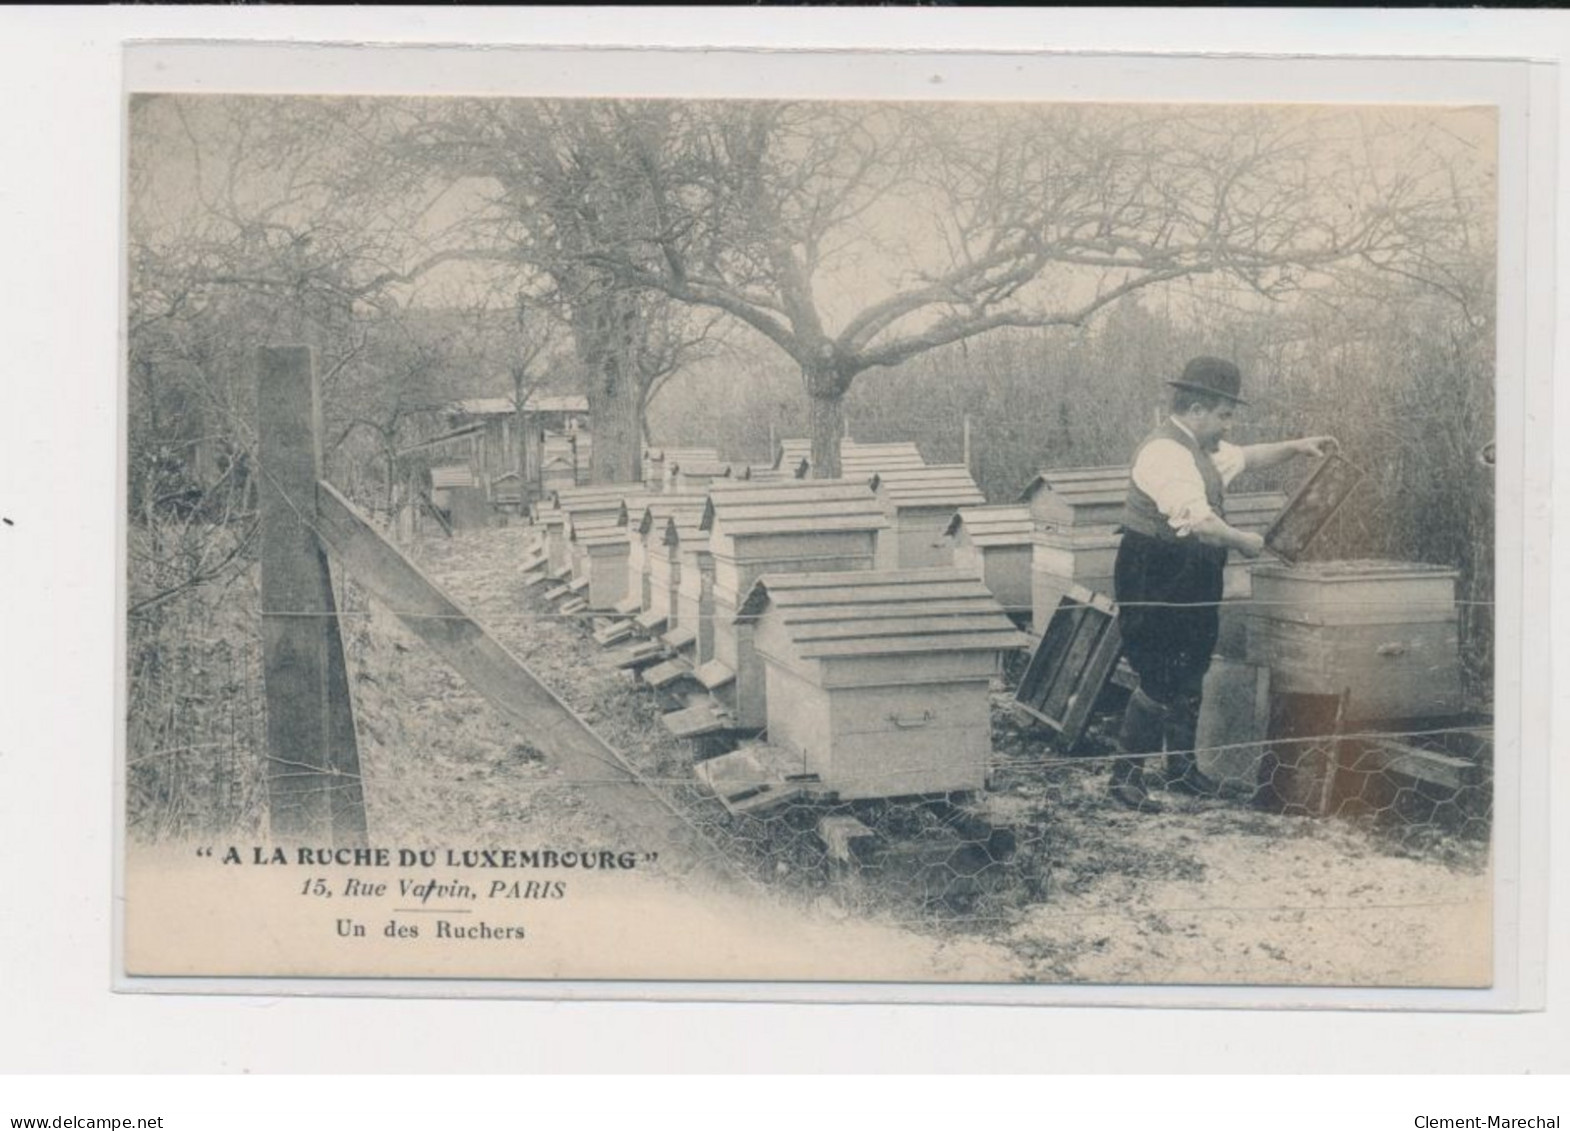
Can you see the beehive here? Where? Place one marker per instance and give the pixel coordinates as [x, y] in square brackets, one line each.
[1061, 560]
[792, 454]
[1072, 550]
[920, 503]
[556, 473]
[804, 526]
[994, 544]
[857, 461]
[879, 681]
[669, 565]
[672, 459]
[866, 460]
[1252, 512]
[695, 585]
[606, 547]
[692, 477]
[1384, 631]
[1076, 497]
[651, 529]
[595, 508]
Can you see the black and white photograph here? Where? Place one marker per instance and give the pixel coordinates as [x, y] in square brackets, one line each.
[810, 540]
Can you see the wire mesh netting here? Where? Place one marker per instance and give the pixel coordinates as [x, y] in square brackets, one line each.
[1043, 829]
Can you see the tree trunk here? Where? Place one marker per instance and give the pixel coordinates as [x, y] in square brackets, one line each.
[827, 422]
[826, 416]
[605, 324]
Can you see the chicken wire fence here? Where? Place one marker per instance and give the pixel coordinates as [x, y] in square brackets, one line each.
[196, 764]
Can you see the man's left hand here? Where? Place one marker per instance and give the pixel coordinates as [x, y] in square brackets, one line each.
[1317, 446]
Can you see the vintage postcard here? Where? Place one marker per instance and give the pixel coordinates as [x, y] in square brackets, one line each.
[774, 536]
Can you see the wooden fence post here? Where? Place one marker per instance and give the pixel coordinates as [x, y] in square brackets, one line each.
[313, 765]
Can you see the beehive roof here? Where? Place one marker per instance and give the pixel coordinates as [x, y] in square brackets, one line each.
[1081, 485]
[687, 455]
[941, 485]
[1007, 524]
[703, 467]
[662, 507]
[599, 534]
[598, 494]
[805, 505]
[453, 475]
[792, 452]
[884, 612]
[857, 461]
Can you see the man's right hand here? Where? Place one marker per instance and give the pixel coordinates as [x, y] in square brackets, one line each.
[1250, 545]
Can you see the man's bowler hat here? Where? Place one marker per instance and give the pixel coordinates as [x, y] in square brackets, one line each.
[1212, 375]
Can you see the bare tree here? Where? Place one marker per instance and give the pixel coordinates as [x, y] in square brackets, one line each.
[860, 236]
[559, 184]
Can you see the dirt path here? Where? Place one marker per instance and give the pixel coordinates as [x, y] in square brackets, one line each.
[1210, 892]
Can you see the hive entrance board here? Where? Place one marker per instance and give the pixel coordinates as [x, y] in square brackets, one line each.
[1311, 507]
[1072, 663]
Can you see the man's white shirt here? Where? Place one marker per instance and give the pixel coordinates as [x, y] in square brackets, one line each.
[1165, 471]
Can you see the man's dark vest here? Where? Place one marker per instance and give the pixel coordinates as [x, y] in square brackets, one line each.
[1140, 512]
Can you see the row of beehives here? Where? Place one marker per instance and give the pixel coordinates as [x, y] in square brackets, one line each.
[845, 617]
[1385, 633]
[826, 613]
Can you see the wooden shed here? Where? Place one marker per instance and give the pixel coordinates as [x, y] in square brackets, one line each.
[920, 502]
[878, 681]
[804, 526]
[1386, 632]
[994, 544]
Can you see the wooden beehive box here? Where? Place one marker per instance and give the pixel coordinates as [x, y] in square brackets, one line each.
[692, 477]
[994, 544]
[1076, 497]
[652, 529]
[674, 458]
[667, 564]
[606, 548]
[1072, 662]
[794, 455]
[1062, 560]
[879, 681]
[863, 461]
[1384, 631]
[920, 503]
[695, 587]
[804, 526]
[857, 461]
[1254, 512]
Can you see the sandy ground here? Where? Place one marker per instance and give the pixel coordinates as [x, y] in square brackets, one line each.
[1208, 892]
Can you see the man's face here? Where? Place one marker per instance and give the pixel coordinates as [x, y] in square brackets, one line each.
[1211, 425]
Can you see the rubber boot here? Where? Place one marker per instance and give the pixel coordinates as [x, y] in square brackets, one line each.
[1141, 733]
[1183, 774]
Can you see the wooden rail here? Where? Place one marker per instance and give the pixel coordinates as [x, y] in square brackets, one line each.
[309, 715]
